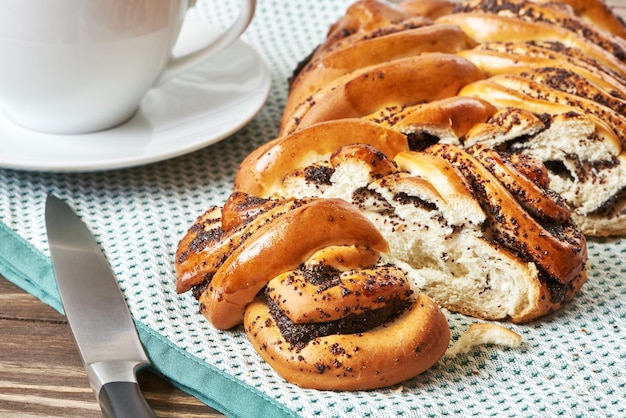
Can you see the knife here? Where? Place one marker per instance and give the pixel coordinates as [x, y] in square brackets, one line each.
[97, 313]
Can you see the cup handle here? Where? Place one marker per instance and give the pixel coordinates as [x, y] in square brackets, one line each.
[227, 37]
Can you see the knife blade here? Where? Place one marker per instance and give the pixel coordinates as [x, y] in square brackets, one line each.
[97, 313]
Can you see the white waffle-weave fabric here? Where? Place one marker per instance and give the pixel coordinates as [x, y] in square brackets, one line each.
[571, 364]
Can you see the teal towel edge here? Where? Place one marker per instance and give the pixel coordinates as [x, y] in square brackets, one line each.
[27, 268]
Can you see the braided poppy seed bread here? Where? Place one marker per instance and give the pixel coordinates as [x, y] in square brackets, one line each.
[558, 66]
[328, 312]
[430, 153]
[482, 233]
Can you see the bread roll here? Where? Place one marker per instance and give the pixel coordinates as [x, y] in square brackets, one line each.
[430, 153]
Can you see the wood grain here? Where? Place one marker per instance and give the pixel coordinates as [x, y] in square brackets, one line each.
[41, 374]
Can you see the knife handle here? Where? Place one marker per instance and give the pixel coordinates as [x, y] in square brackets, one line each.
[123, 399]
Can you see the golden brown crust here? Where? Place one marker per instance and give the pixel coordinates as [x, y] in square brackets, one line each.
[596, 12]
[251, 265]
[215, 235]
[362, 16]
[570, 82]
[554, 14]
[533, 170]
[343, 258]
[487, 27]
[405, 81]
[379, 163]
[190, 266]
[507, 124]
[505, 91]
[353, 292]
[448, 119]
[329, 66]
[382, 357]
[264, 169]
[534, 90]
[431, 9]
[534, 55]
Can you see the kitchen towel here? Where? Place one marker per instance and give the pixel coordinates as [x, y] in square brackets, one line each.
[572, 363]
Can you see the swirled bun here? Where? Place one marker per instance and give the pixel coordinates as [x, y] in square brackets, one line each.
[251, 264]
[217, 233]
[380, 357]
[328, 312]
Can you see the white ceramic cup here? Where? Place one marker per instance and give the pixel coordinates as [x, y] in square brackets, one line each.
[78, 66]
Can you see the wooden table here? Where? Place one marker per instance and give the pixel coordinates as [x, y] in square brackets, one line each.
[41, 373]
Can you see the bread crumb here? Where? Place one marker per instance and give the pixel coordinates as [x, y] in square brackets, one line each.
[480, 334]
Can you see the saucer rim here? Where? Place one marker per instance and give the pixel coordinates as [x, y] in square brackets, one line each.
[256, 98]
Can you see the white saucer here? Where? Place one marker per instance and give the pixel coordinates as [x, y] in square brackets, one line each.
[192, 111]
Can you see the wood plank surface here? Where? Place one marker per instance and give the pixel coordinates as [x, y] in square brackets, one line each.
[41, 374]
